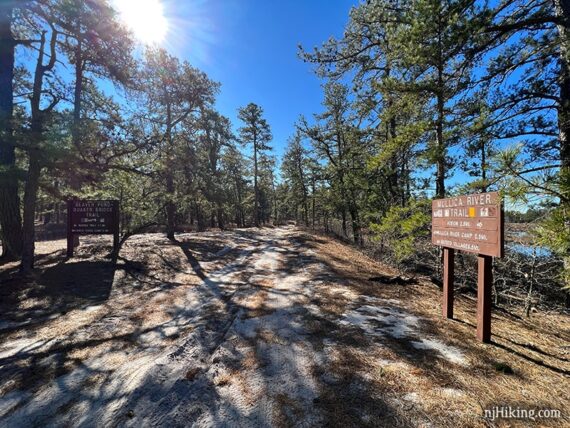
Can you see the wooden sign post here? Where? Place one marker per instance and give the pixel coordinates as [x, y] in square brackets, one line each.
[92, 217]
[448, 279]
[475, 224]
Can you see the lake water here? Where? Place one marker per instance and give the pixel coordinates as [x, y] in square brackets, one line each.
[529, 250]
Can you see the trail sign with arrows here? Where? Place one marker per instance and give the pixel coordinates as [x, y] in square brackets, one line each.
[474, 224]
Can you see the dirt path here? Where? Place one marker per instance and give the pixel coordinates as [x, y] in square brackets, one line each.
[260, 331]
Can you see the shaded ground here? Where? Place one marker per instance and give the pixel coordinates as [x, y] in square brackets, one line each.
[267, 327]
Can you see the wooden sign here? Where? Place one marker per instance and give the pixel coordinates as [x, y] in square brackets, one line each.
[92, 217]
[474, 224]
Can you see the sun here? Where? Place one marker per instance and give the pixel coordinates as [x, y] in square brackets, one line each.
[145, 18]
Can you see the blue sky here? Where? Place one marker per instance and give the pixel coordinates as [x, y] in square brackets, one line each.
[250, 47]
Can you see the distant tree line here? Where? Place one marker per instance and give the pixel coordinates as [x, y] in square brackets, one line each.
[417, 92]
[531, 215]
[83, 115]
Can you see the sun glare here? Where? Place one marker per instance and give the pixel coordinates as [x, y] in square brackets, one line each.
[145, 18]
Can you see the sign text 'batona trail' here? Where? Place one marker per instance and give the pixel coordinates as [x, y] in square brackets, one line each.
[92, 217]
[475, 224]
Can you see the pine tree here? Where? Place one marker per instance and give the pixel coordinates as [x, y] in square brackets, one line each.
[257, 133]
[337, 140]
[215, 138]
[37, 138]
[10, 218]
[294, 173]
[531, 40]
[174, 91]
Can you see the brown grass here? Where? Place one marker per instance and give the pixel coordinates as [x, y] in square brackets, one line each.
[286, 411]
[536, 349]
[370, 377]
[222, 379]
[148, 283]
[255, 305]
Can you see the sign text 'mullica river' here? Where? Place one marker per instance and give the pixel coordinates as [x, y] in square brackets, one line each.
[471, 223]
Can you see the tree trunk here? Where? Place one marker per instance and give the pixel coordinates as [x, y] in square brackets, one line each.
[220, 217]
[34, 167]
[10, 219]
[274, 200]
[170, 207]
[441, 152]
[77, 91]
[30, 201]
[239, 208]
[313, 201]
[201, 220]
[562, 8]
[356, 236]
[441, 146]
[76, 131]
[483, 167]
[255, 189]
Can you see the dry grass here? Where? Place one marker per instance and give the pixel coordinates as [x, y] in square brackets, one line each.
[286, 411]
[192, 373]
[255, 305]
[535, 349]
[364, 381]
[146, 287]
[270, 337]
[222, 379]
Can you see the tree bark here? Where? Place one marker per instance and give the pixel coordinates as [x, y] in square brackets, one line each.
[391, 136]
[30, 201]
[77, 92]
[313, 201]
[10, 218]
[441, 151]
[483, 167]
[343, 216]
[34, 162]
[220, 217]
[170, 207]
[562, 8]
[255, 189]
[441, 146]
[356, 236]
[240, 212]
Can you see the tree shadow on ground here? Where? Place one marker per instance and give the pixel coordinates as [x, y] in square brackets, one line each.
[349, 401]
[220, 324]
[434, 328]
[56, 290]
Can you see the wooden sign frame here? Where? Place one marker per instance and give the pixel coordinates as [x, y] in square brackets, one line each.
[475, 224]
[105, 228]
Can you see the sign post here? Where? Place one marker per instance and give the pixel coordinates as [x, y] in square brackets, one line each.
[474, 224]
[484, 285]
[448, 279]
[92, 217]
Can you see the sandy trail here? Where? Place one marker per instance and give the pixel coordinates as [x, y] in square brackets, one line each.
[257, 342]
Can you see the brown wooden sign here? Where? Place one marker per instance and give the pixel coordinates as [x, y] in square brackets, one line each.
[92, 217]
[471, 223]
[475, 224]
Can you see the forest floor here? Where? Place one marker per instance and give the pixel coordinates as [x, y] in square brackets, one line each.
[259, 327]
